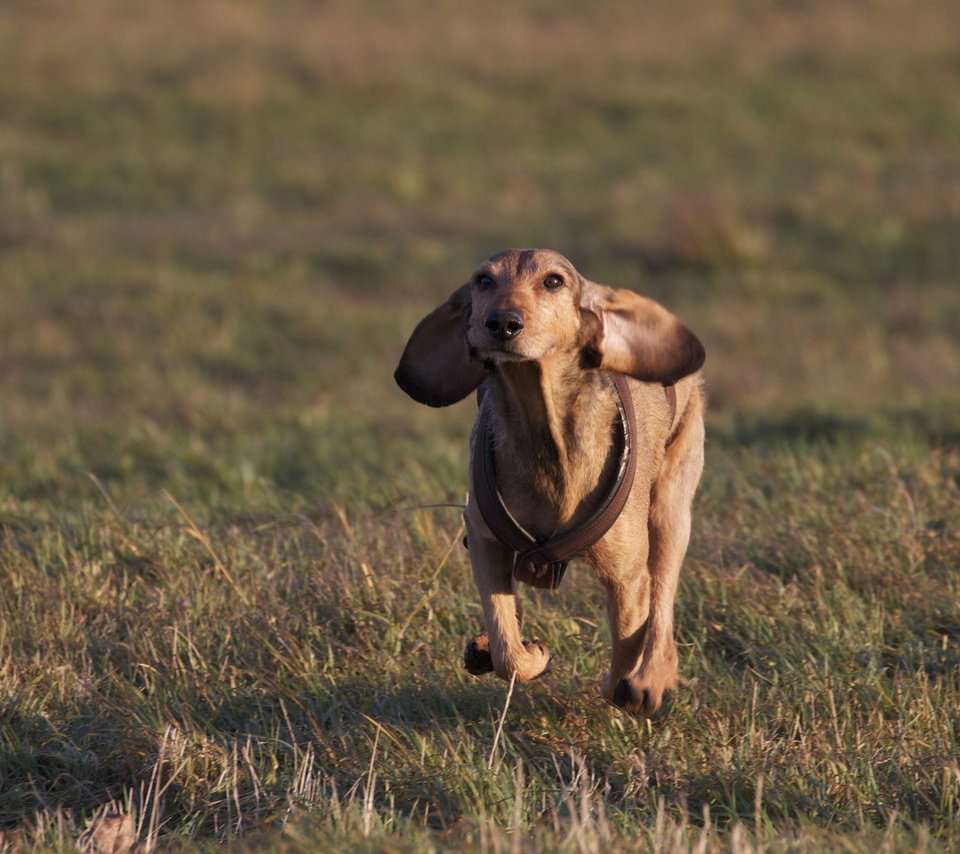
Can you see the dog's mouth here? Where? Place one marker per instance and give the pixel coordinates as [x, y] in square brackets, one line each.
[498, 353]
[503, 356]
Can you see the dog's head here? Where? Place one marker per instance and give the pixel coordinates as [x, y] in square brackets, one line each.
[528, 304]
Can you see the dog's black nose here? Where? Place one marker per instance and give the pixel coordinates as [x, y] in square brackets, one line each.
[503, 324]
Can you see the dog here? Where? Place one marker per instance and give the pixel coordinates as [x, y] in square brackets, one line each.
[562, 366]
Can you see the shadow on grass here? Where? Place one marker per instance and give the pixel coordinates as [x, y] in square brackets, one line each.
[938, 424]
[74, 764]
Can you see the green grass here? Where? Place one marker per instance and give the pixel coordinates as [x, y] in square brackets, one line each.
[225, 610]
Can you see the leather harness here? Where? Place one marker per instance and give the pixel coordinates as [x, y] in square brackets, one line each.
[542, 561]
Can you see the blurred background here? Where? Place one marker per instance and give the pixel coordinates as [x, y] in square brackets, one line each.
[220, 220]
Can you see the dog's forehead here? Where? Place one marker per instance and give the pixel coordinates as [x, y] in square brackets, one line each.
[521, 263]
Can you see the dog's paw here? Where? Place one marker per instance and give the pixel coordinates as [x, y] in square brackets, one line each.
[476, 656]
[633, 697]
[535, 661]
[529, 662]
[536, 647]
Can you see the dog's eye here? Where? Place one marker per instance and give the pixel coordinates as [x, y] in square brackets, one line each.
[552, 282]
[485, 282]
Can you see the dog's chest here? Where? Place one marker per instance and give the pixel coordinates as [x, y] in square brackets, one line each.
[545, 493]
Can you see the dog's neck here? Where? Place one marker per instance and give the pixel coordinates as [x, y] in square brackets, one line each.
[552, 428]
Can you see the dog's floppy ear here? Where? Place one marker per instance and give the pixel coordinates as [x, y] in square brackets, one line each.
[436, 367]
[636, 336]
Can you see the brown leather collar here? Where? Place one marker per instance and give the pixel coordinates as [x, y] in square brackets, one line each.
[541, 561]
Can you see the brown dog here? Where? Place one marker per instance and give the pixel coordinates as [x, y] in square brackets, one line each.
[546, 344]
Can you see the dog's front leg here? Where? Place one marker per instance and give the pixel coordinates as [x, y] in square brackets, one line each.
[646, 689]
[508, 653]
[628, 607]
[643, 668]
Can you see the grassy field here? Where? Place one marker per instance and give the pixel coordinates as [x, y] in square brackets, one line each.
[227, 612]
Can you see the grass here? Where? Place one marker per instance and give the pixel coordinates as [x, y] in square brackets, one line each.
[227, 617]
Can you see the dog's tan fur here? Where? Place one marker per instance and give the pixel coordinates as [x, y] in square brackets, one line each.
[551, 413]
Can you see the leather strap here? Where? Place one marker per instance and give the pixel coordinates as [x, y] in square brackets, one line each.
[671, 394]
[541, 561]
